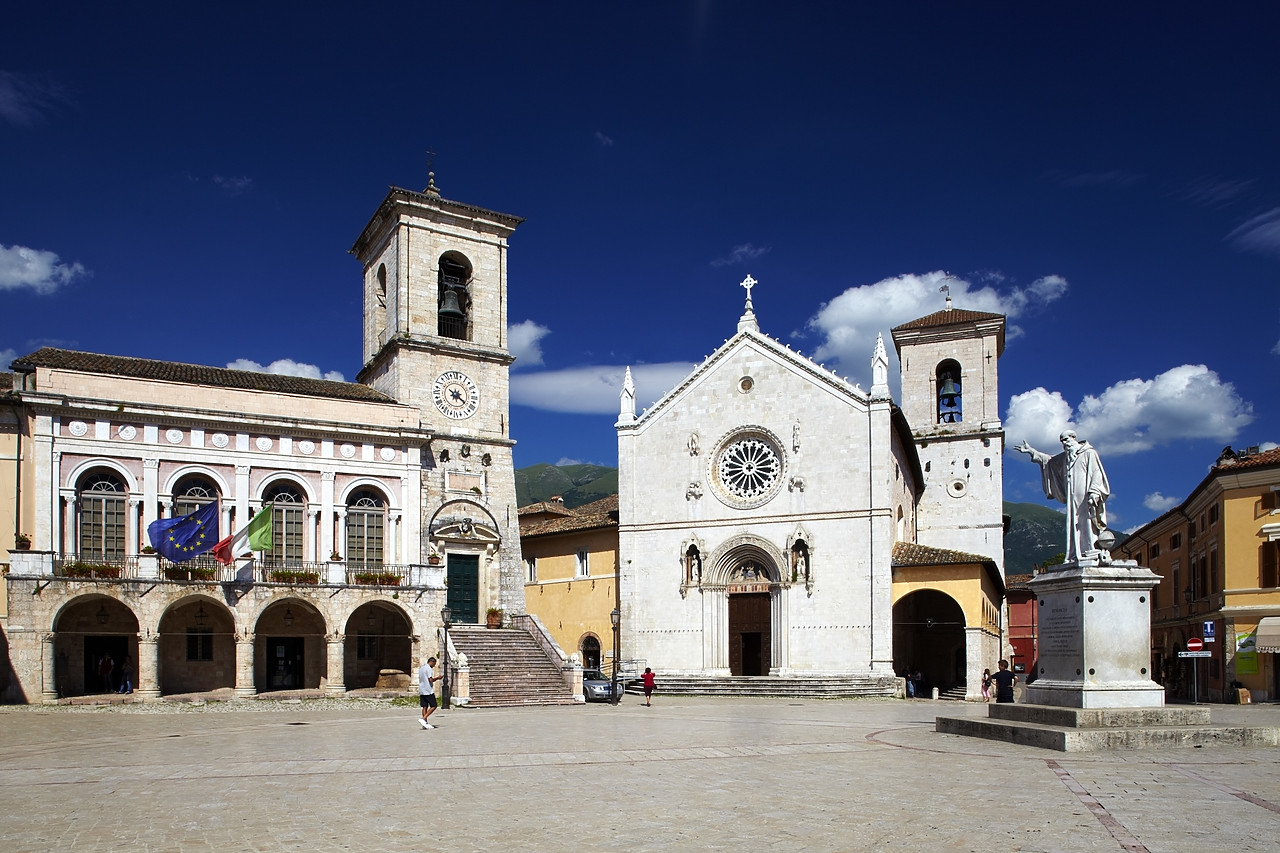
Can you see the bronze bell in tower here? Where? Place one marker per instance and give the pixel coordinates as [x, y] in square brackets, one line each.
[449, 304]
[948, 392]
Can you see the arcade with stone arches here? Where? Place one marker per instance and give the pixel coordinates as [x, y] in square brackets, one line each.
[198, 643]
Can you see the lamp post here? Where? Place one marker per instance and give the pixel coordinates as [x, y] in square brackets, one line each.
[615, 617]
[446, 617]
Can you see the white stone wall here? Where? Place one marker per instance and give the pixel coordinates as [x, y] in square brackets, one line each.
[837, 487]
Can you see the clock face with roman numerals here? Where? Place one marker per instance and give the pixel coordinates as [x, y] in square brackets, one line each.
[456, 395]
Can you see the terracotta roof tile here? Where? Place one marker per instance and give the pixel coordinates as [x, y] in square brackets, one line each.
[911, 554]
[195, 374]
[952, 317]
[593, 516]
[1226, 462]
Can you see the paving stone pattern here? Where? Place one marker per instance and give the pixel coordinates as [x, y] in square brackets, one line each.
[690, 773]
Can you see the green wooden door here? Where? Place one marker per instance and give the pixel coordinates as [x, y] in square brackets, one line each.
[464, 588]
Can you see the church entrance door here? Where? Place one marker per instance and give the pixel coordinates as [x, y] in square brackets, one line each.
[463, 596]
[750, 634]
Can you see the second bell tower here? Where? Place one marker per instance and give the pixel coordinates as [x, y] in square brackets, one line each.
[951, 398]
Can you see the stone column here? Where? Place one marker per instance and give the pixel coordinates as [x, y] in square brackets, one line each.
[311, 541]
[49, 671]
[132, 535]
[148, 686]
[245, 687]
[150, 489]
[336, 685]
[327, 544]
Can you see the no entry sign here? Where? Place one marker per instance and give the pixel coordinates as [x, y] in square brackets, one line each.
[1194, 644]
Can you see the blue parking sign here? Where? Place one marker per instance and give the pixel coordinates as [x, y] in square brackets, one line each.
[1207, 633]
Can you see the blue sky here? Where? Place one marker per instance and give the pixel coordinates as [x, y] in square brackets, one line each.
[183, 182]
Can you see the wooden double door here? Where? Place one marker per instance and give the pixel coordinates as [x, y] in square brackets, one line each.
[750, 633]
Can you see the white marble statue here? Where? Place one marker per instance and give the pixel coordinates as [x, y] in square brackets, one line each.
[1075, 477]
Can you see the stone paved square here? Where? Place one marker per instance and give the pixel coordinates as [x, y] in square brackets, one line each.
[687, 774]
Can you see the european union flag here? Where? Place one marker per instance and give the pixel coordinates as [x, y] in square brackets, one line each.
[183, 538]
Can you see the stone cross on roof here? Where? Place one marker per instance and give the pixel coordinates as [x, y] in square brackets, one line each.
[748, 318]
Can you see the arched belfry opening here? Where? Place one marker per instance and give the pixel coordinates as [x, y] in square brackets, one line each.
[454, 297]
[947, 381]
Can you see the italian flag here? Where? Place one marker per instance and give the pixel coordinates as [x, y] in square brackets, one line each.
[255, 536]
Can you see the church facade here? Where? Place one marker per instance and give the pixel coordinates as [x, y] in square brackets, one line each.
[764, 504]
[390, 497]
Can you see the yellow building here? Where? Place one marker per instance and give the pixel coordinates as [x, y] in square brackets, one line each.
[947, 606]
[571, 575]
[1218, 556]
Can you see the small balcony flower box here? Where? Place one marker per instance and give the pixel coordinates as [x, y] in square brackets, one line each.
[192, 574]
[377, 578]
[80, 569]
[293, 577]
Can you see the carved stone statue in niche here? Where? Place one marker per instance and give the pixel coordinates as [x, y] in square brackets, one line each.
[795, 437]
[693, 444]
[692, 565]
[800, 561]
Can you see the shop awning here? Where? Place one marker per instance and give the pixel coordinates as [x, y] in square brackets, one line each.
[1269, 635]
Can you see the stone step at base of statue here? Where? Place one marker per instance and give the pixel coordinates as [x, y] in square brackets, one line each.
[798, 687]
[1094, 729]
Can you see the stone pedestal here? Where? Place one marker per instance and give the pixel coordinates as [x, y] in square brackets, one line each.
[1094, 637]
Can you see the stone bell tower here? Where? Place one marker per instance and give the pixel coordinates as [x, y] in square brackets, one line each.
[435, 337]
[950, 396]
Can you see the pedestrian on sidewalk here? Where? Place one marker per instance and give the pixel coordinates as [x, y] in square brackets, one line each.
[104, 672]
[126, 676]
[1004, 680]
[986, 685]
[427, 679]
[648, 678]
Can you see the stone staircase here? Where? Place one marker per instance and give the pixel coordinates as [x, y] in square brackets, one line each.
[509, 667]
[796, 687]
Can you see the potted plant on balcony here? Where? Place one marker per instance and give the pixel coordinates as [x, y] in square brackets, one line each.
[22, 542]
[335, 557]
[294, 577]
[493, 617]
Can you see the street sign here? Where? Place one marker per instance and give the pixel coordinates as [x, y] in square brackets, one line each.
[1195, 654]
[1209, 631]
[1194, 644]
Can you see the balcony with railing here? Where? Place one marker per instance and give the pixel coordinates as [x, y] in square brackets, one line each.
[205, 570]
[94, 567]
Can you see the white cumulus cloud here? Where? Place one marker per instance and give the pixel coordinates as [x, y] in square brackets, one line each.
[1157, 502]
[287, 367]
[37, 269]
[849, 323]
[594, 390]
[1186, 402]
[524, 342]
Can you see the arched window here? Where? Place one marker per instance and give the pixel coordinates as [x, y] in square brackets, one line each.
[454, 299]
[100, 499]
[286, 523]
[382, 285]
[191, 493]
[366, 521]
[947, 380]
